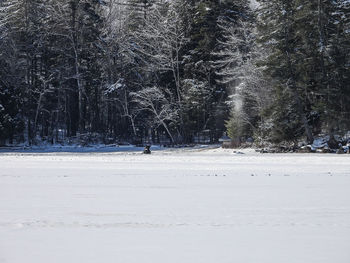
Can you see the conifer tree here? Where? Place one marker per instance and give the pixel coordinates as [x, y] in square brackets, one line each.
[278, 31]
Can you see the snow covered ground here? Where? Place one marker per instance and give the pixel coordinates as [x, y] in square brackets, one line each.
[182, 206]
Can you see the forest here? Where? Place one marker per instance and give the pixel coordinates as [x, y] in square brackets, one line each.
[173, 72]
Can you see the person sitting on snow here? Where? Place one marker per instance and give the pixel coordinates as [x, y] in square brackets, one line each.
[147, 149]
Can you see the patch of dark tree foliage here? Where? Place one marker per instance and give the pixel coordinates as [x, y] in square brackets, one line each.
[174, 72]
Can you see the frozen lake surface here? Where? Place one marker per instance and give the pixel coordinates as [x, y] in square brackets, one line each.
[182, 206]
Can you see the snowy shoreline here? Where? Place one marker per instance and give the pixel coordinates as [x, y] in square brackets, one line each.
[156, 149]
[97, 148]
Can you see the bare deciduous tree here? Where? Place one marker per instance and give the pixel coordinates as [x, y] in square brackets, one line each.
[154, 101]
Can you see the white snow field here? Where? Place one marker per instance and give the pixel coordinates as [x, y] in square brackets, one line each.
[183, 206]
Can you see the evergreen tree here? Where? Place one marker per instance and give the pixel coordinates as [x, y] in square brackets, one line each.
[278, 31]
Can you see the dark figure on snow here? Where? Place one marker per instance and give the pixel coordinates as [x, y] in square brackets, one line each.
[147, 149]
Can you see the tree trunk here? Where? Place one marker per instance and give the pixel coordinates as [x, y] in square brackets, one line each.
[304, 120]
[167, 130]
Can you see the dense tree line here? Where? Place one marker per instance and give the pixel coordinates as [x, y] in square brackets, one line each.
[303, 65]
[178, 71]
